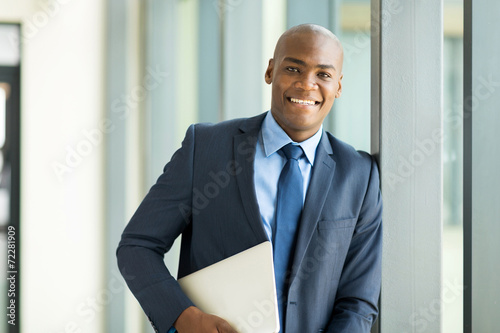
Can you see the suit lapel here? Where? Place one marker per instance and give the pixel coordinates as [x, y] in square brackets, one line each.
[321, 179]
[244, 155]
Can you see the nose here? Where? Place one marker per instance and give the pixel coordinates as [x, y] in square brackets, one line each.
[307, 81]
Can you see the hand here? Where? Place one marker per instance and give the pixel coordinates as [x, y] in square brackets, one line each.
[194, 320]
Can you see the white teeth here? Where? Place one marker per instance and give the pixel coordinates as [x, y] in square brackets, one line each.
[302, 102]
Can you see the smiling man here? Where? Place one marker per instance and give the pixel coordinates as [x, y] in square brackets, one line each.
[306, 74]
[279, 177]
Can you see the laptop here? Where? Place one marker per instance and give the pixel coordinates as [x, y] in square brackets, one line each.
[239, 289]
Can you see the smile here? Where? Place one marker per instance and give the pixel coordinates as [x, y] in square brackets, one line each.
[302, 101]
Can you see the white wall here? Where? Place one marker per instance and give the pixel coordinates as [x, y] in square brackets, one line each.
[62, 96]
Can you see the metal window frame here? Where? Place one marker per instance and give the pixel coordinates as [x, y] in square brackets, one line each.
[467, 171]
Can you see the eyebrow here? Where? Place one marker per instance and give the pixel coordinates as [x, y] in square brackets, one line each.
[302, 63]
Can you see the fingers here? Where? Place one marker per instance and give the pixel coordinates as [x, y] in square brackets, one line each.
[224, 327]
[194, 320]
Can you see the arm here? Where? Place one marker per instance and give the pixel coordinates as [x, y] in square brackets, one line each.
[355, 307]
[158, 221]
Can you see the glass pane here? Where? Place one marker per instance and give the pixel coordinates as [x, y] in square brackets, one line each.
[9, 45]
[452, 297]
[4, 202]
[4, 170]
[351, 112]
[3, 102]
[4, 205]
[484, 103]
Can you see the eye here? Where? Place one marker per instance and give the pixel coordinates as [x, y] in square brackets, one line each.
[324, 75]
[292, 69]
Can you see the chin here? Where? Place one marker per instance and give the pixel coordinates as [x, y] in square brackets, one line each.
[300, 120]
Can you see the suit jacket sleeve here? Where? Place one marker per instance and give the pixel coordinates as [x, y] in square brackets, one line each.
[356, 304]
[159, 220]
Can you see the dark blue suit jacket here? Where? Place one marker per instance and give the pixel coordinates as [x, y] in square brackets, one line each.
[207, 194]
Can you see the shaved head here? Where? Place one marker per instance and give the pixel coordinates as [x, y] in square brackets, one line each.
[306, 29]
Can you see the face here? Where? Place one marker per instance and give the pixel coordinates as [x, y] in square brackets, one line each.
[306, 78]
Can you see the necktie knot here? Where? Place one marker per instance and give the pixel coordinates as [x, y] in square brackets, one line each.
[292, 151]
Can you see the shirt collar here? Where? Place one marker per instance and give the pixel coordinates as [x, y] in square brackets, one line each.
[274, 137]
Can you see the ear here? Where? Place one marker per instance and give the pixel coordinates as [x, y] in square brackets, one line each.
[268, 76]
[339, 90]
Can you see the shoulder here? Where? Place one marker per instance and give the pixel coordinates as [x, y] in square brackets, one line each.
[347, 156]
[356, 168]
[206, 140]
[225, 129]
[220, 126]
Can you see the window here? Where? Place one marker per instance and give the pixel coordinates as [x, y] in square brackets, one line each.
[9, 177]
[452, 293]
[481, 165]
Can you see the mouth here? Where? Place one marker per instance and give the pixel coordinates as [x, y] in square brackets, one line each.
[299, 101]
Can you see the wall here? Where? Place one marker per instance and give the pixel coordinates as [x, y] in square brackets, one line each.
[61, 164]
[409, 69]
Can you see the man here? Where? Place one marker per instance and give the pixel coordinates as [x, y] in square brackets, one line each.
[229, 187]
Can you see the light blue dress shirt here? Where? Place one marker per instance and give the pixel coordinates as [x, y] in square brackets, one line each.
[269, 161]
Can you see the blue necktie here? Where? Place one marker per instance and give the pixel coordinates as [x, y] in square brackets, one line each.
[288, 211]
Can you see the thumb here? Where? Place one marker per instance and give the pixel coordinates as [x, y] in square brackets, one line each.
[224, 327]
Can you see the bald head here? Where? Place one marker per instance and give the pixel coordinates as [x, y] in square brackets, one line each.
[302, 30]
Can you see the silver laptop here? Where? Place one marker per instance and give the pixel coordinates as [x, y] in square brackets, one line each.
[240, 289]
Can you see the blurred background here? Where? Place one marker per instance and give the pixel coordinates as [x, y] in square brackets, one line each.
[95, 96]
